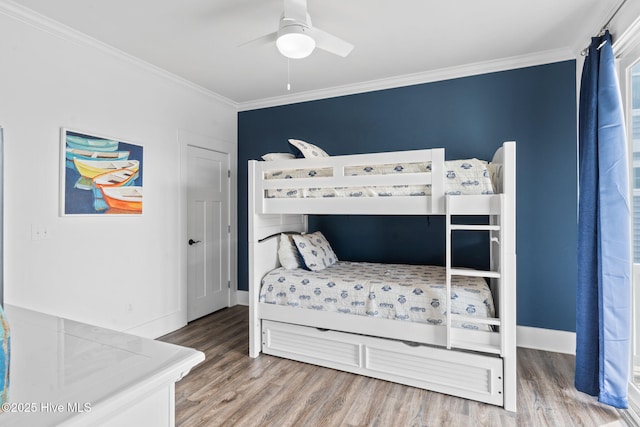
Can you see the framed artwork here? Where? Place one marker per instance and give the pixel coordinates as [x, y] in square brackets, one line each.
[99, 175]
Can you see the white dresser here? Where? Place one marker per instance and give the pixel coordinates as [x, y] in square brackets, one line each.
[66, 373]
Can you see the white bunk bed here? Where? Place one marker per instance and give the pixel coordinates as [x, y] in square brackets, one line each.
[474, 364]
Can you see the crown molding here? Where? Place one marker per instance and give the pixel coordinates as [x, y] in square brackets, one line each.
[448, 73]
[591, 27]
[627, 40]
[55, 28]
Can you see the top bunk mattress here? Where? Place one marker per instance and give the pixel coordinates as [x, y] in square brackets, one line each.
[413, 293]
[468, 176]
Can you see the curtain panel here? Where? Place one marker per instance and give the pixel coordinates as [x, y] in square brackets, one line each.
[603, 317]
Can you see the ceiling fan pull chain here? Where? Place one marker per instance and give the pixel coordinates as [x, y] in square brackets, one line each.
[288, 74]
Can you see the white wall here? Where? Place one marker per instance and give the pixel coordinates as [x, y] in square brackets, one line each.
[93, 268]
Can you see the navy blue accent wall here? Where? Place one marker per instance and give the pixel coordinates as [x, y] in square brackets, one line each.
[469, 117]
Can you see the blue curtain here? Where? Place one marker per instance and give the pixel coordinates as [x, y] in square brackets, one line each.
[603, 318]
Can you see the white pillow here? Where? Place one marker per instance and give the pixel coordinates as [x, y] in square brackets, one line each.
[288, 253]
[308, 150]
[277, 156]
[315, 251]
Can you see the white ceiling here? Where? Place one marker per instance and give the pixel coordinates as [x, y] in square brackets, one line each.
[198, 39]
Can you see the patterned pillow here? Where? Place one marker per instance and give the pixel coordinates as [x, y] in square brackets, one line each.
[467, 176]
[308, 150]
[315, 251]
[277, 156]
[288, 253]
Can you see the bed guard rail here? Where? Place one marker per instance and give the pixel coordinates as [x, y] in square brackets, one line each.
[338, 178]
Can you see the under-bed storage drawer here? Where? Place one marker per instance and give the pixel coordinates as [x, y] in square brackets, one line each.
[469, 375]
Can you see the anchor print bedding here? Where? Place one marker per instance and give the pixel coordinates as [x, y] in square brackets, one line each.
[468, 176]
[413, 293]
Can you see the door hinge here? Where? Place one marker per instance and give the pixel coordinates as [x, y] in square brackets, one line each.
[229, 229]
[228, 174]
[229, 284]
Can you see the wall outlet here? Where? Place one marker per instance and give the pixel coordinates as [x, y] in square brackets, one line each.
[39, 232]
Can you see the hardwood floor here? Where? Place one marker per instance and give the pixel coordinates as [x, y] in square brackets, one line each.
[231, 389]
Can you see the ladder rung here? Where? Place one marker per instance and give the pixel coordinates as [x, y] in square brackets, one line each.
[474, 273]
[475, 227]
[479, 320]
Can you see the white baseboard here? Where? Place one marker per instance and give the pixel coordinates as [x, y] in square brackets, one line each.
[526, 336]
[242, 297]
[159, 327]
[546, 339]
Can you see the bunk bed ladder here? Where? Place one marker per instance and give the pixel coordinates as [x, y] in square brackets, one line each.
[456, 205]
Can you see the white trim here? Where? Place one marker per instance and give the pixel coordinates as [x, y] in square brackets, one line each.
[590, 29]
[627, 40]
[448, 73]
[546, 339]
[242, 298]
[626, 49]
[55, 28]
[160, 326]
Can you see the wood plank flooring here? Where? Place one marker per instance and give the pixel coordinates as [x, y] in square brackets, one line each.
[231, 389]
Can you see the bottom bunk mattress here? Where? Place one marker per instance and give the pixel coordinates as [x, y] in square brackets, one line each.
[414, 293]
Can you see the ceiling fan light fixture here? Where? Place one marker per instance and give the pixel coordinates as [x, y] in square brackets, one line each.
[294, 42]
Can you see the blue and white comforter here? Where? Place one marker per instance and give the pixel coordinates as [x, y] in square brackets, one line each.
[469, 176]
[414, 293]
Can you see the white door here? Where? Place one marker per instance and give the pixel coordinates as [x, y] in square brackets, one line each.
[208, 232]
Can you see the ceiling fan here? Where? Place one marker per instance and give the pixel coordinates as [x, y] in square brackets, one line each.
[296, 38]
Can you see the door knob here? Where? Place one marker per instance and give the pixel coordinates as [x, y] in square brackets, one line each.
[193, 242]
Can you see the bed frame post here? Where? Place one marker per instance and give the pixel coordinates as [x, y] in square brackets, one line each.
[255, 341]
[437, 181]
[263, 237]
[510, 277]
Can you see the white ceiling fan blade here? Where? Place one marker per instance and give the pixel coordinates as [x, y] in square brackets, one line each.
[295, 10]
[331, 43]
[269, 38]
